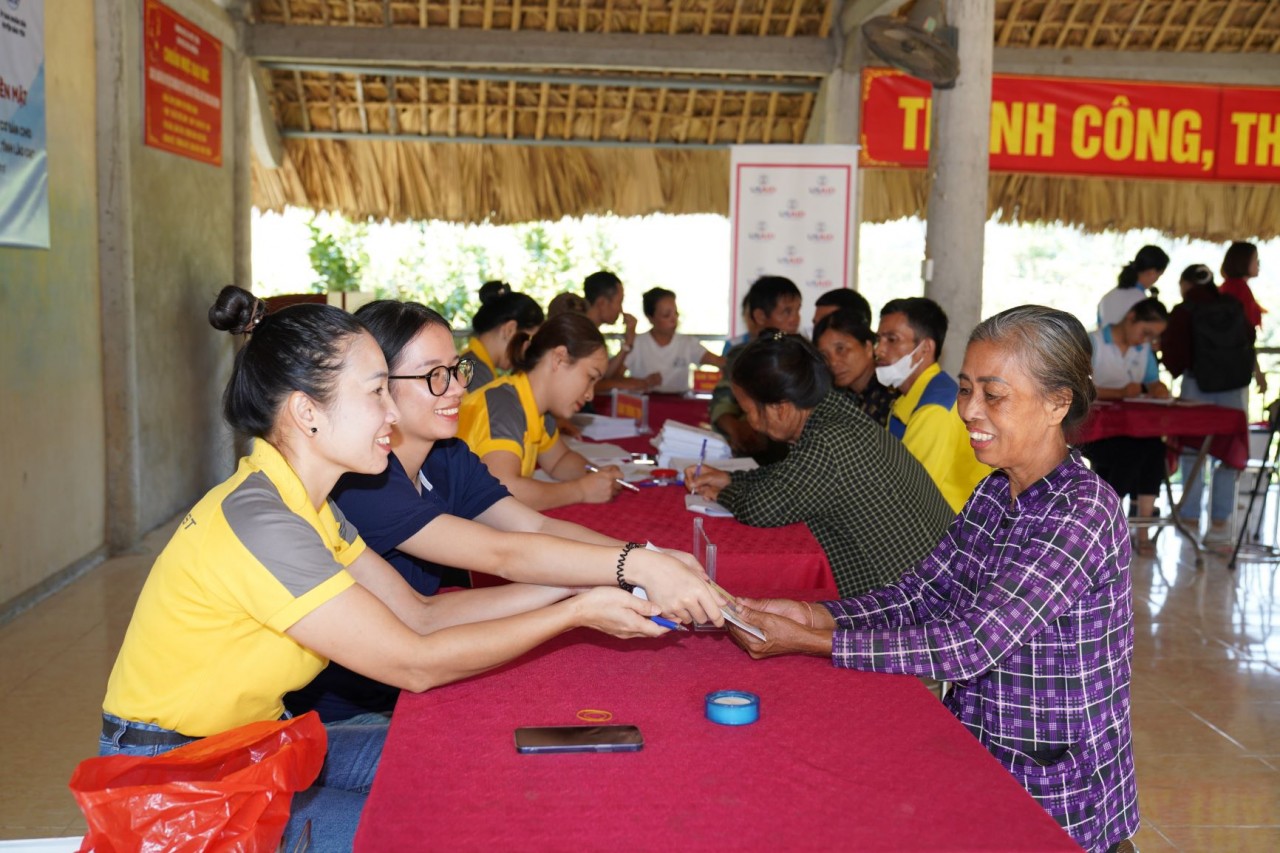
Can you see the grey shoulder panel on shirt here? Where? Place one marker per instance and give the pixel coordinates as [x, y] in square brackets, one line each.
[283, 542]
[346, 529]
[483, 375]
[506, 415]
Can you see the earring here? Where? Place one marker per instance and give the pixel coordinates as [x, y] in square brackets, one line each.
[313, 430]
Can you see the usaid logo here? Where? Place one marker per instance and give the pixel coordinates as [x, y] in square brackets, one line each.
[820, 280]
[761, 233]
[821, 235]
[793, 211]
[822, 187]
[792, 258]
[763, 187]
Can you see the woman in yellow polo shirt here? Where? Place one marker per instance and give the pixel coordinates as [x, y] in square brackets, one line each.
[503, 314]
[511, 422]
[265, 581]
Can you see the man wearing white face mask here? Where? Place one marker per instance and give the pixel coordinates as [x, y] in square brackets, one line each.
[908, 345]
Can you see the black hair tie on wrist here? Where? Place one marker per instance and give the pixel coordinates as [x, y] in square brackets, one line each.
[622, 560]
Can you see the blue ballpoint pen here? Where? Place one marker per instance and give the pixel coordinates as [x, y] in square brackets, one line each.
[667, 623]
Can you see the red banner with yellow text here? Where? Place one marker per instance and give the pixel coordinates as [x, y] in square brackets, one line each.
[1098, 128]
[183, 68]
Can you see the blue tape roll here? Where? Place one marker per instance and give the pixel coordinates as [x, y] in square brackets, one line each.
[733, 707]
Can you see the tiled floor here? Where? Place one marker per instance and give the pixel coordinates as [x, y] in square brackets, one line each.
[1206, 694]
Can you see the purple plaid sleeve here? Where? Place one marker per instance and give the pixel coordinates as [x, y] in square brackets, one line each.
[1025, 606]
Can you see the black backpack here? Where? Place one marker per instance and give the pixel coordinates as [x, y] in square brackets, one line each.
[1221, 344]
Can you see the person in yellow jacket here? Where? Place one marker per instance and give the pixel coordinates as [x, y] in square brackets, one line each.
[908, 346]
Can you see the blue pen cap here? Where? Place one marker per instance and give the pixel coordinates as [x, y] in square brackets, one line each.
[733, 707]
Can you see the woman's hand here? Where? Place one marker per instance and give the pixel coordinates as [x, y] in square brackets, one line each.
[783, 636]
[600, 486]
[708, 483]
[612, 611]
[682, 592]
[1158, 391]
[1133, 389]
[809, 615]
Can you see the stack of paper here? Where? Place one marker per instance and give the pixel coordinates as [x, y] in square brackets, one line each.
[681, 440]
[703, 506]
[603, 427]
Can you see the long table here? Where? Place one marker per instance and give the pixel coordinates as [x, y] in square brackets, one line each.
[839, 760]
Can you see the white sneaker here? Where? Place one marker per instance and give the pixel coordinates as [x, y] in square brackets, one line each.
[1219, 536]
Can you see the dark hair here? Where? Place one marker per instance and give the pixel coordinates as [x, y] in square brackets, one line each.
[845, 322]
[652, 297]
[1053, 347]
[493, 289]
[393, 324]
[849, 300]
[765, 293]
[563, 302]
[598, 285]
[1235, 264]
[776, 368]
[925, 317]
[298, 348]
[1149, 311]
[1148, 258]
[570, 330]
[507, 307]
[1197, 275]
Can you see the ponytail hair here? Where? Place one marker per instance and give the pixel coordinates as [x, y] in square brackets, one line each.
[298, 348]
[1148, 258]
[577, 334]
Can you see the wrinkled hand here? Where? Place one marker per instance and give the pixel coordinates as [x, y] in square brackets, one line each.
[613, 611]
[707, 484]
[783, 636]
[809, 615]
[600, 486]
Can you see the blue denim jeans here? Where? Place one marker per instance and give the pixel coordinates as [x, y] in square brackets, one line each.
[334, 801]
[1222, 501]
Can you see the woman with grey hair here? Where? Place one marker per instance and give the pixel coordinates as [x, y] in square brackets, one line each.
[1024, 606]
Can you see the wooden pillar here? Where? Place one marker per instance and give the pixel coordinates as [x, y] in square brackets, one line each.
[958, 168]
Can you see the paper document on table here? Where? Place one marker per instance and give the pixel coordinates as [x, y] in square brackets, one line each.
[601, 427]
[728, 615]
[598, 454]
[702, 506]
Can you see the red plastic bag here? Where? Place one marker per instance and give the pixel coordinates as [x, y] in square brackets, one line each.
[230, 791]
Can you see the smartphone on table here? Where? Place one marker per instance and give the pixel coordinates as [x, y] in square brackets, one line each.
[544, 739]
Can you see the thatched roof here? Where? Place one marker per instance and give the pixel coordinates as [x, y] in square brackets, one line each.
[485, 132]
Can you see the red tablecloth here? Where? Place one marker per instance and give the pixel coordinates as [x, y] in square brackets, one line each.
[749, 560]
[1185, 426]
[839, 760]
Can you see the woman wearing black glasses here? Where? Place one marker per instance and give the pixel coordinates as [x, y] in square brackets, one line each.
[437, 506]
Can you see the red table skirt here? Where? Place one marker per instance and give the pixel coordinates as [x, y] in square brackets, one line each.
[839, 760]
[1184, 425]
[750, 560]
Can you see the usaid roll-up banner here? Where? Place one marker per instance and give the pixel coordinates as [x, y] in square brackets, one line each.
[791, 211]
[24, 168]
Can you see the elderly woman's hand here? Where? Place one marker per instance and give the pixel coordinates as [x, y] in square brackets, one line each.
[807, 614]
[707, 483]
[783, 636]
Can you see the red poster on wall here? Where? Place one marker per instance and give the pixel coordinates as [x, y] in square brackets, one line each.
[182, 65]
[1105, 128]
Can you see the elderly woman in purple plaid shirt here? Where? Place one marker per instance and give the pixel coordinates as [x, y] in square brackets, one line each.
[1024, 606]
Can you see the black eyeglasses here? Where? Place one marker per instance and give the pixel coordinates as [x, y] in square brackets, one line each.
[437, 378]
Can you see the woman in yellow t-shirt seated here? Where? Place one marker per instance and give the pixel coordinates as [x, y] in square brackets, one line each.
[511, 423]
[265, 581]
[503, 314]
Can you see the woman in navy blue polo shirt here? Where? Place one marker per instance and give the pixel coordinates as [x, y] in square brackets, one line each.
[438, 506]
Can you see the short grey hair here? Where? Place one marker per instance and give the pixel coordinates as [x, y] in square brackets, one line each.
[1055, 350]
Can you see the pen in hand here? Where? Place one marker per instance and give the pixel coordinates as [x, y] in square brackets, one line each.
[594, 470]
[697, 470]
[668, 624]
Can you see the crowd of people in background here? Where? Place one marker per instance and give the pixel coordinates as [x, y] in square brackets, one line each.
[968, 540]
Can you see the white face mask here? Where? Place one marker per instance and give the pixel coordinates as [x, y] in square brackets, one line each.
[893, 375]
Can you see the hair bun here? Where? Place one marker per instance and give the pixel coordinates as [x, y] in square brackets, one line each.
[236, 310]
[491, 290]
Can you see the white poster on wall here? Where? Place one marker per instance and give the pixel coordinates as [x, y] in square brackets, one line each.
[791, 214]
[24, 169]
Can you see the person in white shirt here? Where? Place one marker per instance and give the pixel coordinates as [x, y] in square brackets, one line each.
[1124, 367]
[1135, 283]
[662, 351]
